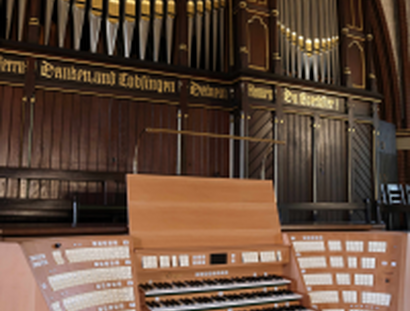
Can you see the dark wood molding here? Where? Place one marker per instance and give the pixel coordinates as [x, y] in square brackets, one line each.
[47, 174]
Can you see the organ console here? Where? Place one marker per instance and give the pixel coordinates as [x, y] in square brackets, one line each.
[205, 244]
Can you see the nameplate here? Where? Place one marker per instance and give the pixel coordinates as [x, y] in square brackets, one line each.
[105, 77]
[311, 100]
[205, 90]
[260, 92]
[10, 64]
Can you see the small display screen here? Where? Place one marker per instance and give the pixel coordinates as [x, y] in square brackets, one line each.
[218, 259]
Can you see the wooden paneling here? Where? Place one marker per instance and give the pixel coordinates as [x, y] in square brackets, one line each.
[207, 156]
[295, 160]
[260, 126]
[87, 133]
[178, 211]
[362, 162]
[332, 166]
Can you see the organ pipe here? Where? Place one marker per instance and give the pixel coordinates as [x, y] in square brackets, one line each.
[158, 16]
[47, 22]
[63, 7]
[208, 8]
[95, 15]
[214, 32]
[198, 28]
[112, 24]
[78, 19]
[22, 11]
[170, 26]
[9, 13]
[144, 26]
[191, 14]
[129, 25]
[308, 39]
[222, 33]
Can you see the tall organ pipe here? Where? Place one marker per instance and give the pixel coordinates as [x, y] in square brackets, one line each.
[191, 13]
[78, 21]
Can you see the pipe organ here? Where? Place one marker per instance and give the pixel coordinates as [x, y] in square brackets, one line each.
[309, 39]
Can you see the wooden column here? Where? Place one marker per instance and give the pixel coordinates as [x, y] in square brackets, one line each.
[376, 134]
[240, 25]
[183, 100]
[350, 163]
[275, 65]
[278, 122]
[181, 37]
[343, 21]
[315, 147]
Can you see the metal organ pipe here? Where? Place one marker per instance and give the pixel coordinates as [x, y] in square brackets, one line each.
[308, 39]
[214, 32]
[63, 7]
[158, 15]
[78, 21]
[208, 8]
[222, 33]
[95, 15]
[47, 22]
[112, 23]
[144, 26]
[129, 25]
[170, 27]
[198, 28]
[191, 13]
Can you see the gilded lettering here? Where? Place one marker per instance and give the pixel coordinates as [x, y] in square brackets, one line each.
[137, 82]
[122, 79]
[46, 70]
[159, 86]
[58, 73]
[287, 96]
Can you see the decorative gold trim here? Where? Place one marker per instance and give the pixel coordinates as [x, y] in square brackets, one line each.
[363, 59]
[110, 95]
[357, 38]
[276, 56]
[345, 31]
[372, 76]
[205, 106]
[353, 14]
[243, 49]
[250, 65]
[242, 4]
[347, 71]
[310, 89]
[258, 107]
[257, 12]
[34, 21]
[369, 37]
[109, 66]
[183, 47]
[275, 13]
